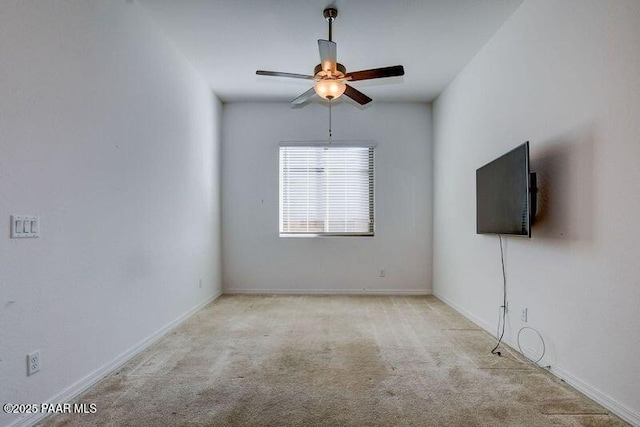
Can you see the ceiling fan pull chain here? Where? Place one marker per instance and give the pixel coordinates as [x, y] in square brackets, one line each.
[330, 135]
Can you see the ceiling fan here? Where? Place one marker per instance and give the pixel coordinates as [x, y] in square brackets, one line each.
[330, 76]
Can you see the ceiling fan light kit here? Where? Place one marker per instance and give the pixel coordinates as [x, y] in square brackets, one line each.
[331, 76]
[329, 89]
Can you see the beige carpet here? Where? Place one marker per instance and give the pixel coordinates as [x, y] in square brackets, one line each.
[332, 361]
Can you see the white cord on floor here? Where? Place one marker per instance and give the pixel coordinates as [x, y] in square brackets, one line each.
[544, 349]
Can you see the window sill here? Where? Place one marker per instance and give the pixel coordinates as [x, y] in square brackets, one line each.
[322, 235]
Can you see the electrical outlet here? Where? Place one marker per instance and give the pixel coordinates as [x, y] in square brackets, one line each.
[523, 314]
[34, 362]
[382, 273]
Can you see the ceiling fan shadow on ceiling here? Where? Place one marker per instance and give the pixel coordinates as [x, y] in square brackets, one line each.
[330, 76]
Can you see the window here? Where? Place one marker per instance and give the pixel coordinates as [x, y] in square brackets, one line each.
[326, 190]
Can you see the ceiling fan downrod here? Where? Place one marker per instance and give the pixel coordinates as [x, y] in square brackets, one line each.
[330, 14]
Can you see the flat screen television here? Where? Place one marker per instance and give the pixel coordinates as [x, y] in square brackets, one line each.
[505, 194]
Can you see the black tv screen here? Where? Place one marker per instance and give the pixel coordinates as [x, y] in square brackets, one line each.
[503, 197]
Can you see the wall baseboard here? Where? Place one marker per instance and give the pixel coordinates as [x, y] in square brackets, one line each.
[593, 393]
[327, 292]
[588, 390]
[68, 394]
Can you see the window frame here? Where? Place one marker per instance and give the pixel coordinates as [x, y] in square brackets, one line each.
[342, 144]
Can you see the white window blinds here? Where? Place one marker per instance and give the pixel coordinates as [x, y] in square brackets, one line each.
[326, 190]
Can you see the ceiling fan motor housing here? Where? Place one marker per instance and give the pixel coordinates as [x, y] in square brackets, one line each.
[339, 68]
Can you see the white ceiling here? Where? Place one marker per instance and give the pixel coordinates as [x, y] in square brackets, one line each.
[228, 40]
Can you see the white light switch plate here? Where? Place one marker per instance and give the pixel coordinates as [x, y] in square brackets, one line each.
[24, 226]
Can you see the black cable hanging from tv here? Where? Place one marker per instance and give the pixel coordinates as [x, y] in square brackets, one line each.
[504, 302]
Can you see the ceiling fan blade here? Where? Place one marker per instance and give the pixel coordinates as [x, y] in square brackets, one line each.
[304, 97]
[376, 73]
[356, 95]
[328, 55]
[279, 74]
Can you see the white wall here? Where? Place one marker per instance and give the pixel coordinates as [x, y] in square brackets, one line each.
[113, 140]
[564, 75]
[256, 259]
